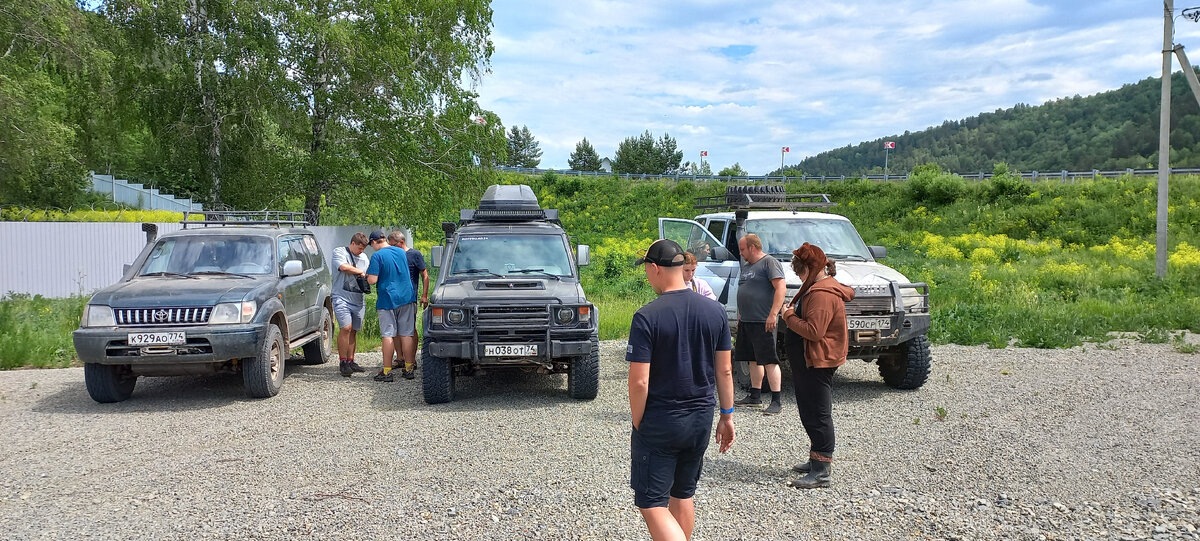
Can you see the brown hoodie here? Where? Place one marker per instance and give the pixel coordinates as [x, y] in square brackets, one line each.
[823, 324]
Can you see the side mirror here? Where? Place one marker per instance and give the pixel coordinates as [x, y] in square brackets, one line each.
[435, 256]
[292, 267]
[583, 255]
[721, 253]
[877, 252]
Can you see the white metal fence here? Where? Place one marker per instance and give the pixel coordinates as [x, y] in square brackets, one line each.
[60, 259]
[136, 195]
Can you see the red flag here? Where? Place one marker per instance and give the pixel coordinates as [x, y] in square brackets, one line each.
[703, 153]
[889, 144]
[787, 149]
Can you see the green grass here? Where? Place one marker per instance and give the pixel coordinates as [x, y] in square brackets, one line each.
[36, 331]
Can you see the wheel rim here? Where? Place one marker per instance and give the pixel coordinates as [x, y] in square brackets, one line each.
[276, 360]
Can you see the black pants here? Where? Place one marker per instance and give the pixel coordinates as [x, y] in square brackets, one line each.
[814, 395]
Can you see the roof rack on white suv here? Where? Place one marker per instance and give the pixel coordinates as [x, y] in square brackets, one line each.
[763, 198]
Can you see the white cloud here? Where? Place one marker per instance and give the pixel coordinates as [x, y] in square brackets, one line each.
[742, 81]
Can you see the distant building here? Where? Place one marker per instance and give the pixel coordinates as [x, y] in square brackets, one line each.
[606, 165]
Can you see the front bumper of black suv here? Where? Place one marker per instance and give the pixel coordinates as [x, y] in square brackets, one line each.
[205, 344]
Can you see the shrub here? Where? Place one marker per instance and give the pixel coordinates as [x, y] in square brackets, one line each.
[928, 184]
[1005, 186]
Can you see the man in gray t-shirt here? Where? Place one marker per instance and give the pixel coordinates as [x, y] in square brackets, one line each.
[349, 263]
[761, 292]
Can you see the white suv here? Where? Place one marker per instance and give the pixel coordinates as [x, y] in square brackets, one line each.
[889, 316]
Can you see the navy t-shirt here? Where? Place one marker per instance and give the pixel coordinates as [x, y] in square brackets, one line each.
[416, 264]
[679, 334]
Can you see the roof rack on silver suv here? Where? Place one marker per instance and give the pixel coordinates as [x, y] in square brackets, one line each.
[763, 198]
[240, 218]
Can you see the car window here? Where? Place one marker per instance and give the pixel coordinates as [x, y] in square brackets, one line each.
[300, 251]
[691, 237]
[837, 238]
[209, 254]
[717, 228]
[314, 252]
[516, 255]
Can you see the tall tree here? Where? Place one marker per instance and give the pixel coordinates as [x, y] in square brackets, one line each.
[644, 155]
[734, 170]
[200, 78]
[585, 157]
[51, 70]
[523, 148]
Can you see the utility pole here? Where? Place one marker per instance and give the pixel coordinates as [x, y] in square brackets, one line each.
[1164, 141]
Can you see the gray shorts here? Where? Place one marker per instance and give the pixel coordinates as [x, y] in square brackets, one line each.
[348, 314]
[400, 321]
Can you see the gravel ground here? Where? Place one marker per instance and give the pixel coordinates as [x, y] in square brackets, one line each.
[1099, 442]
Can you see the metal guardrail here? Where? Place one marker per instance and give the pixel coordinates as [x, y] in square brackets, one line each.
[1034, 176]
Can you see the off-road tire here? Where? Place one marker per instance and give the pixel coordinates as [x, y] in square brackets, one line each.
[737, 195]
[437, 378]
[262, 374]
[583, 381]
[108, 383]
[908, 367]
[320, 350]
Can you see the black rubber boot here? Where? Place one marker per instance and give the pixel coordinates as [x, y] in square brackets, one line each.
[802, 467]
[818, 475]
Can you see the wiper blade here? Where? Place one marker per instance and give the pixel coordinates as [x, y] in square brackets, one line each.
[220, 273]
[175, 274]
[851, 257]
[478, 271]
[537, 271]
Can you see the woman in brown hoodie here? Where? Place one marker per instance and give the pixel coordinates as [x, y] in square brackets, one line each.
[816, 333]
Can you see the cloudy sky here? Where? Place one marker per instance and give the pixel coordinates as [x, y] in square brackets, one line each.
[743, 79]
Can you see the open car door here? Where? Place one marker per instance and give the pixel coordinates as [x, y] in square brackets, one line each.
[717, 266]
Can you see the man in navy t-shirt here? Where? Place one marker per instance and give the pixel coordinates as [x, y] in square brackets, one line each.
[679, 353]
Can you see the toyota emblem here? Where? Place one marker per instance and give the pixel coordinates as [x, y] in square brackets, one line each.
[160, 315]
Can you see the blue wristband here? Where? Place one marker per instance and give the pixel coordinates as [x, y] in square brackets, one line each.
[726, 411]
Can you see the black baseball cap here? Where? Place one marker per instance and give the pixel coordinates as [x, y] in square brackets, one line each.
[376, 235]
[664, 253]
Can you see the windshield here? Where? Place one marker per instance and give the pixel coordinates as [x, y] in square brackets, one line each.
[837, 238]
[521, 255]
[215, 254]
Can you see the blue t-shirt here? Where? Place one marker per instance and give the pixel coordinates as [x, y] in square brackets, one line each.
[394, 288]
[416, 264]
[679, 334]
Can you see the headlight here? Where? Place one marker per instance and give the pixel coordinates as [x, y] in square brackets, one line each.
[95, 315]
[454, 316]
[565, 315]
[233, 312]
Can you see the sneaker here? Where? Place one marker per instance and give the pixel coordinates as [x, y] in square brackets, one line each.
[749, 401]
[345, 369]
[389, 377]
[773, 409]
[408, 374]
[355, 368]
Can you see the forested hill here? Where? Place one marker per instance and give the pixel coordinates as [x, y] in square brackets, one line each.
[1117, 129]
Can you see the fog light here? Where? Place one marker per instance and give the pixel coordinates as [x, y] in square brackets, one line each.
[565, 315]
[454, 316]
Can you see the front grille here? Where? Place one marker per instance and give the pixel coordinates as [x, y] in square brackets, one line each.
[148, 317]
[869, 305]
[514, 315]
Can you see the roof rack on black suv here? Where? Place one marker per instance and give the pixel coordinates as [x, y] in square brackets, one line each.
[244, 217]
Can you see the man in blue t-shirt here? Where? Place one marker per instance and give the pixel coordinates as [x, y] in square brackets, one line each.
[396, 303]
[679, 352]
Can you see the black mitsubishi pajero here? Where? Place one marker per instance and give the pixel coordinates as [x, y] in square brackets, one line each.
[508, 297]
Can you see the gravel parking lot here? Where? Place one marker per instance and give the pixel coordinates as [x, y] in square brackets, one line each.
[1098, 442]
